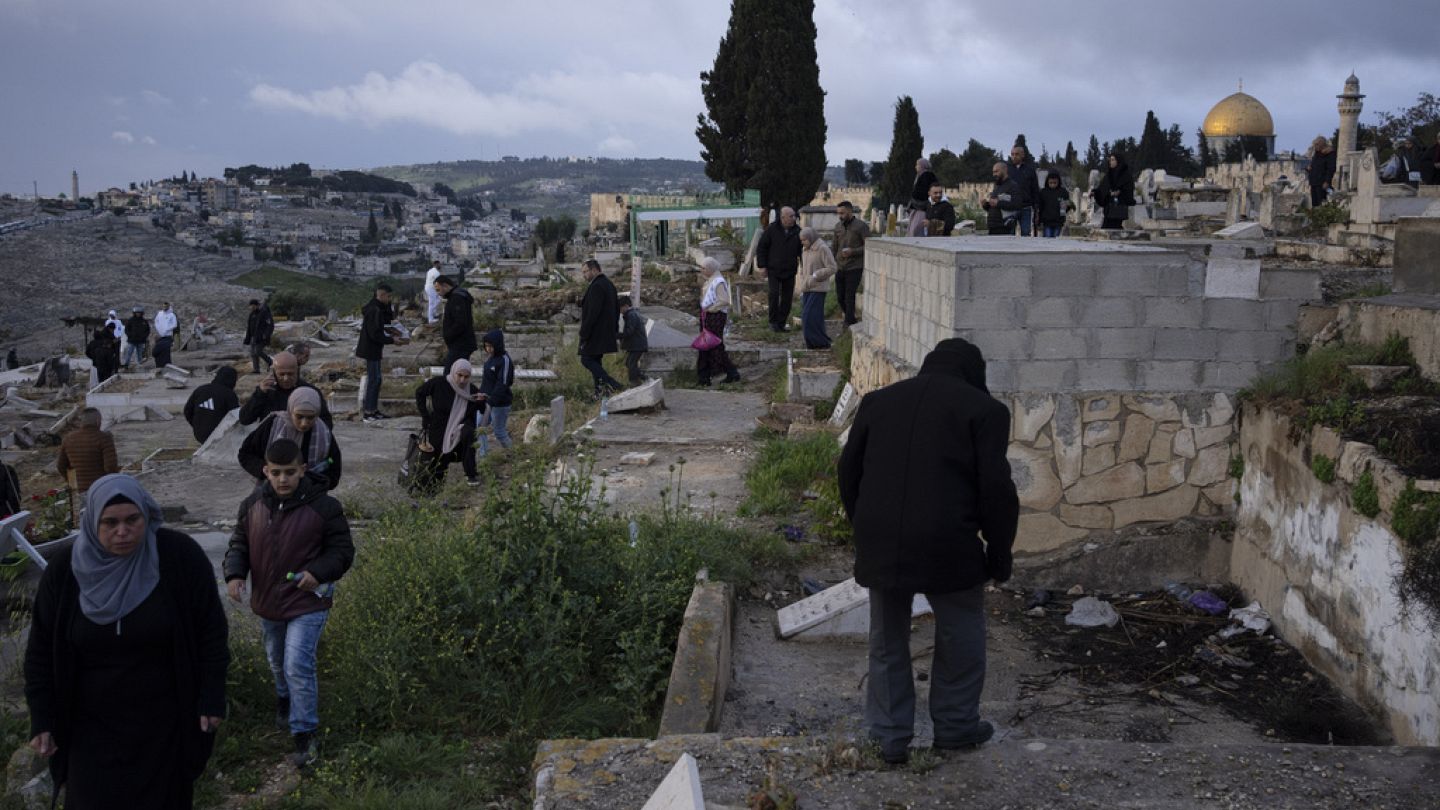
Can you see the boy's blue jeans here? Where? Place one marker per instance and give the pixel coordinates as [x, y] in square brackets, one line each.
[290, 646]
[498, 419]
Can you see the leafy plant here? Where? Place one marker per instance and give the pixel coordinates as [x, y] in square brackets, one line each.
[1324, 468]
[1415, 516]
[1321, 217]
[1236, 467]
[1364, 496]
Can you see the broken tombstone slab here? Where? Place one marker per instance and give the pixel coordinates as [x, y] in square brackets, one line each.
[845, 406]
[648, 395]
[537, 428]
[842, 611]
[680, 789]
[557, 419]
[1242, 230]
[638, 459]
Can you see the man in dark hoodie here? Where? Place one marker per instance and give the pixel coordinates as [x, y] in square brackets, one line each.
[293, 541]
[457, 324]
[259, 327]
[137, 337]
[1003, 204]
[209, 403]
[925, 483]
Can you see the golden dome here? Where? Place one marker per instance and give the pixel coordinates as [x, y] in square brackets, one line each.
[1238, 114]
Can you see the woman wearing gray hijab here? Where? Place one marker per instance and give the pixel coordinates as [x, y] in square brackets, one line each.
[125, 668]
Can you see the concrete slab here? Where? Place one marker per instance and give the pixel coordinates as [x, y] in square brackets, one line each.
[1242, 230]
[838, 612]
[1232, 278]
[648, 395]
[664, 336]
[690, 417]
[845, 406]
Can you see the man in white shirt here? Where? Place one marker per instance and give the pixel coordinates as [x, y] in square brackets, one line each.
[165, 325]
[432, 296]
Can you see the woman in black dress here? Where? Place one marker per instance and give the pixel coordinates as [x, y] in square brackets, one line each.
[1116, 192]
[125, 669]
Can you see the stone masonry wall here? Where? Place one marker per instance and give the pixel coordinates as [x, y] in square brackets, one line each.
[1325, 573]
[1118, 362]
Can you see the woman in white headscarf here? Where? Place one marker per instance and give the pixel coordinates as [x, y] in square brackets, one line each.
[300, 422]
[125, 668]
[714, 311]
[448, 406]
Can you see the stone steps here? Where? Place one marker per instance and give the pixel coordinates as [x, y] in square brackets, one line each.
[1014, 772]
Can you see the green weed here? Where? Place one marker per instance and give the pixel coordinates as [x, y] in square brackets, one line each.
[1415, 516]
[1364, 497]
[1324, 468]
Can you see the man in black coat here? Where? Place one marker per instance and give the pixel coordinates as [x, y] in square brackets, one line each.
[599, 327]
[209, 403]
[1021, 169]
[1003, 204]
[1321, 172]
[258, 329]
[778, 257]
[925, 483]
[273, 392]
[940, 212]
[137, 337]
[457, 324]
[374, 337]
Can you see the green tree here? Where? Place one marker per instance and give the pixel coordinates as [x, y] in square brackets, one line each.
[372, 231]
[1202, 146]
[1070, 154]
[1419, 122]
[906, 146]
[854, 172]
[877, 172]
[1093, 155]
[947, 167]
[764, 125]
[1150, 154]
[976, 162]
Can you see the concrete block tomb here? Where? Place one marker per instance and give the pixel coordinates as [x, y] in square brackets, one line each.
[1119, 363]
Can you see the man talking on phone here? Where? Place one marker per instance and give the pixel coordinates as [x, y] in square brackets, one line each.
[274, 391]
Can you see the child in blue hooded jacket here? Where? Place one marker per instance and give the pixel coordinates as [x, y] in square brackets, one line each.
[496, 377]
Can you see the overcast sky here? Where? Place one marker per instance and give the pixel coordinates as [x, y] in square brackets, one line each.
[132, 90]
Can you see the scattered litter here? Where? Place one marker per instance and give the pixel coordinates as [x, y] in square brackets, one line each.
[812, 586]
[1037, 611]
[1252, 617]
[1211, 655]
[1178, 591]
[1089, 547]
[1208, 602]
[1037, 597]
[793, 533]
[1188, 680]
[1092, 612]
[1162, 645]
[1076, 590]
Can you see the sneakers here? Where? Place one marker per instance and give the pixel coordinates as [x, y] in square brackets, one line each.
[307, 749]
[282, 713]
[982, 733]
[373, 416]
[732, 377]
[473, 480]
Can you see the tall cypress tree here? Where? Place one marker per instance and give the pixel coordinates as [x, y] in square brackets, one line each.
[765, 121]
[1151, 152]
[906, 146]
[1207, 155]
[1093, 155]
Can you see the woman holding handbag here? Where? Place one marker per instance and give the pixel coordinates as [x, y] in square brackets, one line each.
[817, 266]
[714, 311]
[448, 406]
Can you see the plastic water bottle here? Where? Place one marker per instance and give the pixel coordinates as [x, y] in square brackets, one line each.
[1177, 590]
[634, 533]
[604, 409]
[325, 589]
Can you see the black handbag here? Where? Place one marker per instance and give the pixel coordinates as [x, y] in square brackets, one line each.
[1115, 209]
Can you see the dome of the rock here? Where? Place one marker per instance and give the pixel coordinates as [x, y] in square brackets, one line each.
[1238, 115]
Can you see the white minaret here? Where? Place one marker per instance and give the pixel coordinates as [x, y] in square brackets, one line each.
[74, 185]
[1349, 107]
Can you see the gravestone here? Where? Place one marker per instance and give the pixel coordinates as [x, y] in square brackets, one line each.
[838, 612]
[680, 789]
[557, 419]
[1417, 255]
[1242, 230]
[845, 406]
[648, 395]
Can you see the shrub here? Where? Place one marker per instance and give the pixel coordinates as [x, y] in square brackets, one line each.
[1415, 516]
[1324, 468]
[297, 305]
[789, 473]
[1394, 351]
[1321, 217]
[1364, 497]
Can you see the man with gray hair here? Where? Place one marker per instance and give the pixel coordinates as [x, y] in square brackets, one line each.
[778, 257]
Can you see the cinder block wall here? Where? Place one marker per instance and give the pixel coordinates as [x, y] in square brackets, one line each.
[1118, 363]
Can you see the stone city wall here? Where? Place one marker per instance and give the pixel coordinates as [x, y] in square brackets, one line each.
[1118, 362]
[1325, 573]
[1254, 176]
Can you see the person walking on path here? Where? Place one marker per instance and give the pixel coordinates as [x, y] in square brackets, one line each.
[299, 423]
[259, 327]
[633, 339]
[374, 337]
[457, 325]
[432, 295]
[137, 337]
[920, 197]
[273, 392]
[849, 250]
[777, 255]
[599, 328]
[87, 450]
[496, 378]
[292, 540]
[165, 325]
[926, 486]
[817, 266]
[714, 311]
[126, 661]
[208, 404]
[101, 351]
[1115, 193]
[1054, 202]
[448, 408]
[1021, 169]
[1003, 204]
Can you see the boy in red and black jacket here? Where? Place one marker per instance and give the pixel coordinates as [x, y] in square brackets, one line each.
[293, 541]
